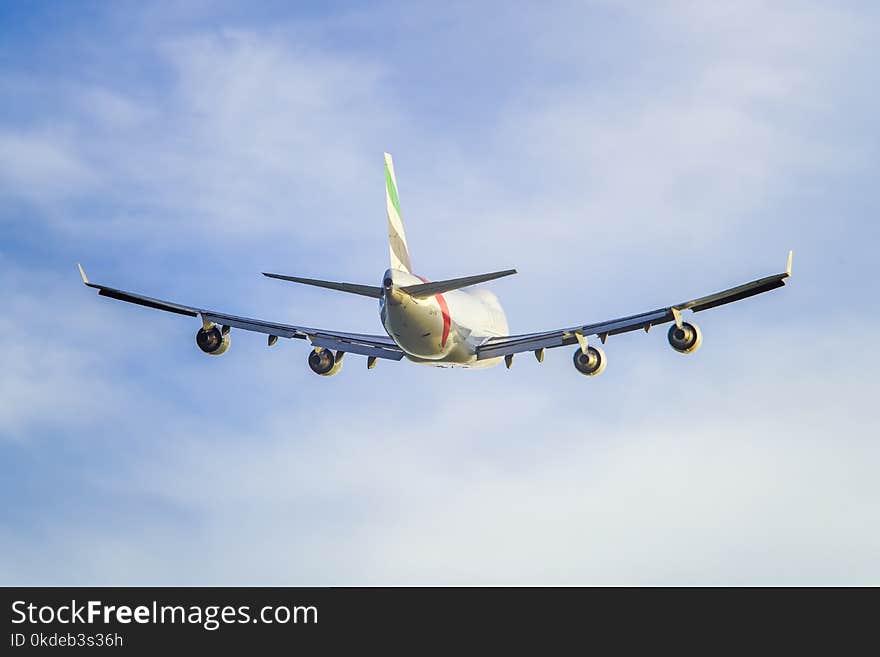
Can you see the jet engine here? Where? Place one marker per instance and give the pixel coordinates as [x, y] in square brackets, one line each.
[215, 340]
[685, 340]
[324, 362]
[591, 363]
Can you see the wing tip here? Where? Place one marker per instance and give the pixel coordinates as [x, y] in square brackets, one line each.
[82, 274]
[788, 263]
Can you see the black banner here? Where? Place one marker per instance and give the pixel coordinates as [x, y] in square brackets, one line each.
[415, 619]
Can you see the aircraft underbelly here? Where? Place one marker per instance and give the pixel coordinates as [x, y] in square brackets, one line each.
[443, 331]
[417, 326]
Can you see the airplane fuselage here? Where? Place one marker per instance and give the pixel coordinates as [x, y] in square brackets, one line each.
[443, 330]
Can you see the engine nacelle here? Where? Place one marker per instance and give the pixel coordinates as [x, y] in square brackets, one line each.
[591, 363]
[324, 362]
[685, 340]
[214, 341]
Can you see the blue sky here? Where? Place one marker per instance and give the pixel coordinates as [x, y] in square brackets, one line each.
[622, 156]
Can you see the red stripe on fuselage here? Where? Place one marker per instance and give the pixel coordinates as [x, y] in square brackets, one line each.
[444, 310]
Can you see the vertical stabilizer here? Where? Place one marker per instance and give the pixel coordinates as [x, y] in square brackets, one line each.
[396, 236]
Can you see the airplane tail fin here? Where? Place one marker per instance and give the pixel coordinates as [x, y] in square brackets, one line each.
[396, 235]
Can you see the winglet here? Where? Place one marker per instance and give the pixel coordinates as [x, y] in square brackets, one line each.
[82, 274]
[788, 264]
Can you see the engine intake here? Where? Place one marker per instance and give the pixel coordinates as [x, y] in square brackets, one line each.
[214, 341]
[685, 340]
[591, 363]
[324, 363]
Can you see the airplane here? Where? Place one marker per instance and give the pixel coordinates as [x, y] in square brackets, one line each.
[441, 323]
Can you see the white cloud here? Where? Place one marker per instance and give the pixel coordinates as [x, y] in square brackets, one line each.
[720, 471]
[110, 110]
[43, 166]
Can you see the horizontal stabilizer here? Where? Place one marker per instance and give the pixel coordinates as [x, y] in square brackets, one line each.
[439, 287]
[351, 288]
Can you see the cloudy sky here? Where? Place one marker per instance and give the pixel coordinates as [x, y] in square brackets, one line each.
[621, 155]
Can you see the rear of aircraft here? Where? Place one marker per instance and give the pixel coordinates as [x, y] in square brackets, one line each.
[413, 317]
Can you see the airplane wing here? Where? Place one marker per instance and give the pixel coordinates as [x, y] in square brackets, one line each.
[513, 344]
[379, 346]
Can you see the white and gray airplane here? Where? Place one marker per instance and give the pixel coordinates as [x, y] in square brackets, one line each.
[440, 323]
